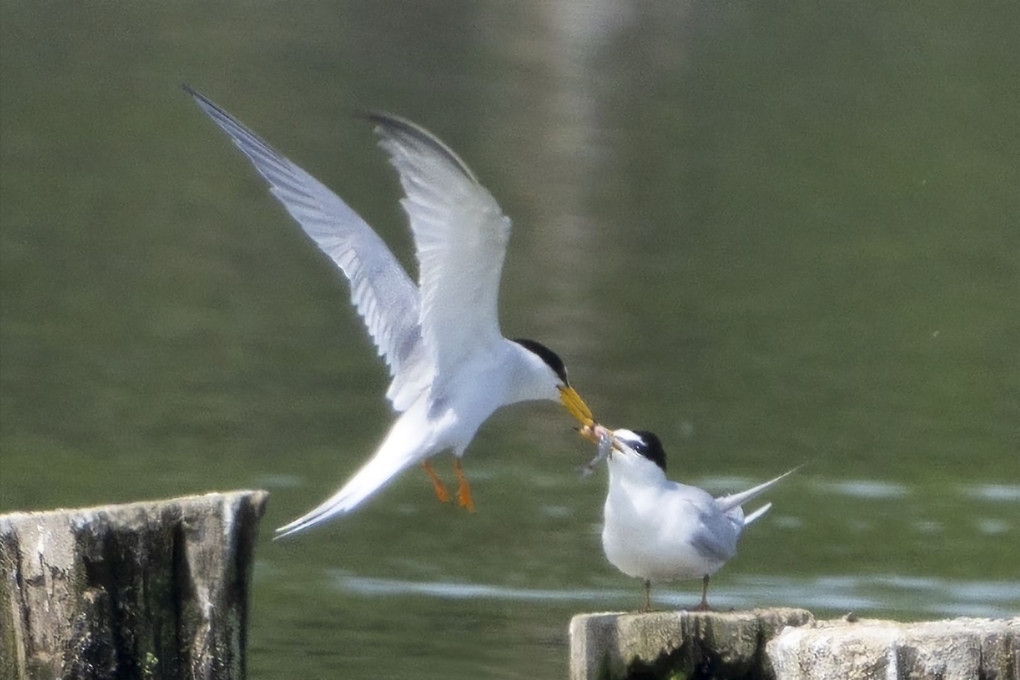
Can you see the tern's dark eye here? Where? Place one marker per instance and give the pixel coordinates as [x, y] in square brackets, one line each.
[650, 447]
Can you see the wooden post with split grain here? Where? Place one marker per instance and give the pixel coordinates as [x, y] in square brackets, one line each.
[145, 590]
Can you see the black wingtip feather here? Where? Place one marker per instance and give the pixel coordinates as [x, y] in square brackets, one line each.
[403, 129]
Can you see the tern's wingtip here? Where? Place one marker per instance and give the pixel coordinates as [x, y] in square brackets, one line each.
[404, 132]
[202, 100]
[193, 92]
[285, 531]
[375, 116]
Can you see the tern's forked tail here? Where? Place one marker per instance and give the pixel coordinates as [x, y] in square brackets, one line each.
[727, 503]
[400, 449]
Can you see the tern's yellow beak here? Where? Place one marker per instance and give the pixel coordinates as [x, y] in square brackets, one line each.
[589, 433]
[575, 404]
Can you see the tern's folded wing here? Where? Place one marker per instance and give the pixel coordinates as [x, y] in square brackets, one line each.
[460, 237]
[385, 297]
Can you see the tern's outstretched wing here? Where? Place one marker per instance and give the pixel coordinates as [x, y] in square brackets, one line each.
[460, 236]
[384, 295]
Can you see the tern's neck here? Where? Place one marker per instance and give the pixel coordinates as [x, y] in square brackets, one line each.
[625, 473]
[631, 497]
[529, 377]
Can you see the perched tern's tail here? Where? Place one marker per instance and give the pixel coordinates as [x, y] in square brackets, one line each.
[402, 447]
[727, 503]
[757, 513]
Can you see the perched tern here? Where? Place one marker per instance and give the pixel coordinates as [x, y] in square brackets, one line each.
[658, 530]
[450, 366]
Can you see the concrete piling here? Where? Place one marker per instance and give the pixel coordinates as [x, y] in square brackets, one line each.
[789, 644]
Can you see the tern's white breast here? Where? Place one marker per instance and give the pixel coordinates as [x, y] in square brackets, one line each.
[657, 532]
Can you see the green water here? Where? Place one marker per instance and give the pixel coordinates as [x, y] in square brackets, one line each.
[771, 234]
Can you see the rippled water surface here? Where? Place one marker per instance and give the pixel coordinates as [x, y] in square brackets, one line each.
[775, 235]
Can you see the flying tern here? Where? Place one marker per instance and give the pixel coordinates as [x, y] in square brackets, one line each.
[450, 365]
[659, 530]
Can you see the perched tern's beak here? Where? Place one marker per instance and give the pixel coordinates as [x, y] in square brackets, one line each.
[575, 404]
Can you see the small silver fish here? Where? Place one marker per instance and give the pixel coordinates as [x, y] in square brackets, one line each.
[605, 448]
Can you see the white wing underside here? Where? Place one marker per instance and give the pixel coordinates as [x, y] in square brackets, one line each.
[384, 295]
[460, 238]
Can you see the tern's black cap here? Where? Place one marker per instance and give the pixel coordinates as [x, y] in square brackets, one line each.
[650, 447]
[551, 358]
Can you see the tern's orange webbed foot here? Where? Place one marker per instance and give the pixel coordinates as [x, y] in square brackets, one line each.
[441, 493]
[463, 490]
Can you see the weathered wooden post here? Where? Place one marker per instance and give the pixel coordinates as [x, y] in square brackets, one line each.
[145, 590]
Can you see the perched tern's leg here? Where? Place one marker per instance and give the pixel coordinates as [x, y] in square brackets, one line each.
[441, 493]
[648, 595]
[703, 605]
[463, 490]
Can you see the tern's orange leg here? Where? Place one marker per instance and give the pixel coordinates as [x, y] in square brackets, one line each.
[441, 493]
[463, 490]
